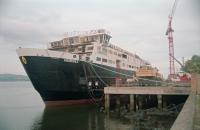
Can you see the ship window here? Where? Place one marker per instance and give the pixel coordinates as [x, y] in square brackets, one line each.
[74, 56]
[79, 49]
[92, 39]
[124, 56]
[88, 54]
[71, 40]
[98, 59]
[129, 66]
[104, 60]
[71, 49]
[101, 38]
[90, 48]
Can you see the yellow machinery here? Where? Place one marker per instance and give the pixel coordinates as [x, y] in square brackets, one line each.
[148, 71]
[148, 75]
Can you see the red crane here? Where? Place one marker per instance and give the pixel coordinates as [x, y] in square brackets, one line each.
[171, 44]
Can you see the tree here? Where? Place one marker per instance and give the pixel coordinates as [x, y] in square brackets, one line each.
[193, 65]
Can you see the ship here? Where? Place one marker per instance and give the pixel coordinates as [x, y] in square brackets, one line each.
[76, 68]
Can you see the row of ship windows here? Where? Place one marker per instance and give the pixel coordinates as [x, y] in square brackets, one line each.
[105, 60]
[57, 43]
[81, 48]
[100, 38]
[105, 50]
[113, 62]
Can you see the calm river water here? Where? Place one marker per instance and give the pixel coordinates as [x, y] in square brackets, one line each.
[21, 108]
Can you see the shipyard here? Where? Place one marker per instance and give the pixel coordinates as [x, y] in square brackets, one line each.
[97, 65]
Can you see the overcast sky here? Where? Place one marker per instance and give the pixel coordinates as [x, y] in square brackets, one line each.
[138, 26]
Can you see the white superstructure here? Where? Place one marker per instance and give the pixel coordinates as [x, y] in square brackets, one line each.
[93, 46]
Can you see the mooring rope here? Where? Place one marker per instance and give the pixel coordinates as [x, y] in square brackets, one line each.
[90, 91]
[131, 76]
[99, 76]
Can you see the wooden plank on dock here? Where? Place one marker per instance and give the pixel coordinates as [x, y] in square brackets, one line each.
[148, 90]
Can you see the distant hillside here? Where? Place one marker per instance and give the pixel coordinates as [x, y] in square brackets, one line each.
[13, 77]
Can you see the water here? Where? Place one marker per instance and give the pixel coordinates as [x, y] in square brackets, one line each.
[21, 108]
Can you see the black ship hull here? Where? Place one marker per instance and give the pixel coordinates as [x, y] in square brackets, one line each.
[56, 79]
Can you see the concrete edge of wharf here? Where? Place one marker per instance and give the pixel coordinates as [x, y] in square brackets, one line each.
[189, 117]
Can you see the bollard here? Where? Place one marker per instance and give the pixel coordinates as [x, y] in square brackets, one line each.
[164, 102]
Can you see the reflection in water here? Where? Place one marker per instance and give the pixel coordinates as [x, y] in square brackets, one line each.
[21, 108]
[87, 117]
[84, 117]
[37, 122]
[70, 117]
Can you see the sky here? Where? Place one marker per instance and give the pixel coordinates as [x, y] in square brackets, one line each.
[138, 26]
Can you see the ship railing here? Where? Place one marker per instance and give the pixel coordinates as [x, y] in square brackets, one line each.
[87, 33]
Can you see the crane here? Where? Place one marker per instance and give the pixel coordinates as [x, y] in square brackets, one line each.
[170, 39]
[177, 61]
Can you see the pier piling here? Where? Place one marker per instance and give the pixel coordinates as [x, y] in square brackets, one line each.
[159, 98]
[139, 91]
[107, 103]
[132, 102]
[118, 105]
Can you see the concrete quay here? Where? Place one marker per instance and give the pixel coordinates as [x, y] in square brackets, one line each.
[188, 118]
